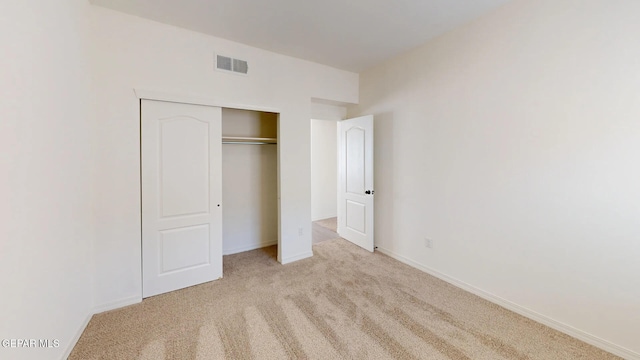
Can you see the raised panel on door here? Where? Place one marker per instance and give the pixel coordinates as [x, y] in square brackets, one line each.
[354, 147]
[184, 248]
[184, 166]
[181, 194]
[355, 215]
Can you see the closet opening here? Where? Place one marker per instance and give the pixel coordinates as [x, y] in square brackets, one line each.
[249, 182]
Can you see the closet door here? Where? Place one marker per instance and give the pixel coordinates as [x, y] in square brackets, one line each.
[181, 196]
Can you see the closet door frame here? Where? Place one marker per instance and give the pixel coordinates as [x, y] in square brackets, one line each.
[143, 94]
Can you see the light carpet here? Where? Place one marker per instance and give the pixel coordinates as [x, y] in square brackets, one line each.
[330, 223]
[344, 303]
[320, 233]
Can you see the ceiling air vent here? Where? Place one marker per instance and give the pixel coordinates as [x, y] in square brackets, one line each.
[229, 64]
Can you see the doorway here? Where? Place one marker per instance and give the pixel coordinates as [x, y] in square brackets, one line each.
[324, 179]
[342, 180]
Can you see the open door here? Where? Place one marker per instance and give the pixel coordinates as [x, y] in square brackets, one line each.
[181, 195]
[355, 185]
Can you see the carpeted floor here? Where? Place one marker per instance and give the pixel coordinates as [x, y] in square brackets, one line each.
[330, 223]
[324, 230]
[344, 303]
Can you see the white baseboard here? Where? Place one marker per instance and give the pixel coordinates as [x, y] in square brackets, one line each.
[554, 324]
[296, 258]
[76, 337]
[117, 304]
[318, 218]
[249, 248]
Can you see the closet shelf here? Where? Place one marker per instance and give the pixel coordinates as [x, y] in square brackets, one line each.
[248, 140]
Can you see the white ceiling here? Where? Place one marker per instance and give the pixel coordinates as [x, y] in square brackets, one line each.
[346, 34]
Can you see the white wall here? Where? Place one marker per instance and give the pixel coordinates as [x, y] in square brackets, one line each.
[513, 143]
[249, 182]
[130, 53]
[324, 169]
[324, 111]
[46, 160]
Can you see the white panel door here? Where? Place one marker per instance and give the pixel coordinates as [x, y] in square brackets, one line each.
[181, 196]
[355, 186]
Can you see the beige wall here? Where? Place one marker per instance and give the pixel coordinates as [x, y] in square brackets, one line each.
[328, 111]
[46, 184]
[513, 144]
[324, 158]
[324, 169]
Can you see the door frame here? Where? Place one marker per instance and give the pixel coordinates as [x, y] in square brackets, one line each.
[144, 94]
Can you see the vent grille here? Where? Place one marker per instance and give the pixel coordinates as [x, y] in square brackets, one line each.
[224, 63]
[240, 66]
[229, 64]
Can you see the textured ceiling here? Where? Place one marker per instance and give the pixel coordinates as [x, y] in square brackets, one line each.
[346, 34]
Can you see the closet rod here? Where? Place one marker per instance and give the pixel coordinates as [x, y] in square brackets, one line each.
[248, 140]
[249, 143]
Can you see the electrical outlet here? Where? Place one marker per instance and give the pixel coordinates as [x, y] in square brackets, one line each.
[428, 243]
[300, 231]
